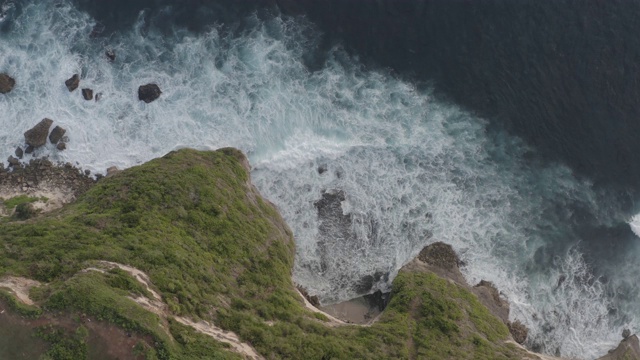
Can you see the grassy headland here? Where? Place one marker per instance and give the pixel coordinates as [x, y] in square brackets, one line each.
[216, 251]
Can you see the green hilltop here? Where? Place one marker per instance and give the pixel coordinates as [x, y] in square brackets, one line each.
[214, 251]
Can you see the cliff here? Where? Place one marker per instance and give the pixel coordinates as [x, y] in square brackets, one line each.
[181, 258]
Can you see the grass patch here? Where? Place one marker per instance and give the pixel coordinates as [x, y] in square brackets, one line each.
[20, 199]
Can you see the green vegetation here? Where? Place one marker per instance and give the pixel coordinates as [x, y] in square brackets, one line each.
[20, 199]
[63, 344]
[217, 251]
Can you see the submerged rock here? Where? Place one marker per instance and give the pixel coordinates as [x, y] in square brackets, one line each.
[6, 83]
[111, 55]
[37, 135]
[73, 82]
[87, 94]
[56, 134]
[61, 146]
[149, 92]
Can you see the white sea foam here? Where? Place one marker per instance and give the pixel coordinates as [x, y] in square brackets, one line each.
[413, 170]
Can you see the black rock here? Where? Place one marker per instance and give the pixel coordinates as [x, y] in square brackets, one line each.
[73, 82]
[37, 135]
[29, 149]
[149, 92]
[87, 94]
[111, 55]
[13, 161]
[56, 134]
[6, 83]
[19, 152]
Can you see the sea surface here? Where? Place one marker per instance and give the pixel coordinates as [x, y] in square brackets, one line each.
[509, 129]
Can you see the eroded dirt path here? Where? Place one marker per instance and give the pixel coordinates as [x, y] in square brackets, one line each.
[157, 306]
[20, 287]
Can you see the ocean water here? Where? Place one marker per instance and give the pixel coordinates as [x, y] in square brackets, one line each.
[367, 167]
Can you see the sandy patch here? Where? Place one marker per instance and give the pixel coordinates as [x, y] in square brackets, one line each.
[20, 287]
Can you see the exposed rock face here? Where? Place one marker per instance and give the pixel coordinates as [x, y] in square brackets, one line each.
[73, 82]
[37, 135]
[490, 297]
[87, 94]
[149, 92]
[56, 134]
[629, 349]
[6, 83]
[518, 331]
[112, 170]
[441, 255]
[312, 299]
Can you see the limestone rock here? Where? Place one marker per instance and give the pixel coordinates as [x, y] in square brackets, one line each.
[518, 331]
[87, 94]
[149, 92]
[56, 134]
[37, 135]
[6, 83]
[73, 82]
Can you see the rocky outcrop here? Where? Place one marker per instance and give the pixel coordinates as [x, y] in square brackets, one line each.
[149, 92]
[518, 331]
[111, 55]
[87, 94]
[73, 82]
[19, 153]
[490, 297]
[37, 135]
[56, 134]
[43, 175]
[6, 83]
[629, 349]
[441, 259]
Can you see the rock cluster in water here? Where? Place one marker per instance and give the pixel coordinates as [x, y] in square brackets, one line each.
[6, 83]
